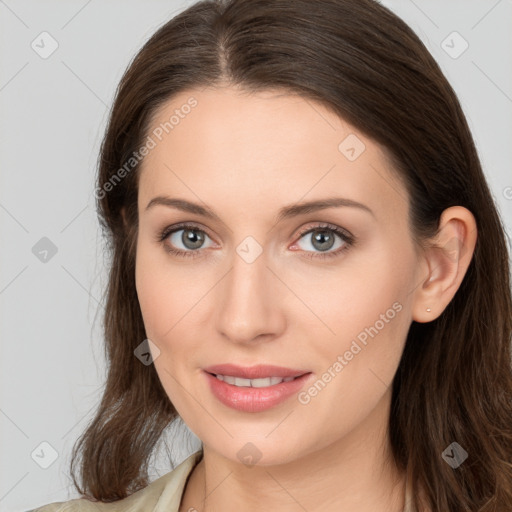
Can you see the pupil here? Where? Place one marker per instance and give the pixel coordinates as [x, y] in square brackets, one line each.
[192, 239]
[325, 240]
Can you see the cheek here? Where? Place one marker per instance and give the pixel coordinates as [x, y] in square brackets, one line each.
[167, 291]
[165, 299]
[367, 314]
[156, 292]
[346, 302]
[361, 359]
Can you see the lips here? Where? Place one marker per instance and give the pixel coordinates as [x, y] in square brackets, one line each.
[254, 372]
[255, 399]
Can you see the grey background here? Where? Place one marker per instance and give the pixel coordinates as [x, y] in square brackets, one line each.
[53, 114]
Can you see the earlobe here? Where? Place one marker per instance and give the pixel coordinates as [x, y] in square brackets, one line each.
[447, 260]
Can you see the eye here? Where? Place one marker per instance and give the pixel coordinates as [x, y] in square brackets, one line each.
[322, 238]
[184, 240]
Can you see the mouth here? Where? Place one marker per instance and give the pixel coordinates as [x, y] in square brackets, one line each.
[257, 388]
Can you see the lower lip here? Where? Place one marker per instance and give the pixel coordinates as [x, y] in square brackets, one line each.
[248, 399]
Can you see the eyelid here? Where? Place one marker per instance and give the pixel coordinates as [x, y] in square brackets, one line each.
[183, 225]
[325, 225]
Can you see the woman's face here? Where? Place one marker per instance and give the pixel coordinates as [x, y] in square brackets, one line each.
[263, 281]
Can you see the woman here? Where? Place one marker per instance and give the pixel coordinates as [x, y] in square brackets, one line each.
[307, 267]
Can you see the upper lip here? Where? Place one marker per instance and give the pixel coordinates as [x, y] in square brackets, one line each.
[260, 371]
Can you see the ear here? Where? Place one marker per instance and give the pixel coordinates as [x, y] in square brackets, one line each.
[445, 263]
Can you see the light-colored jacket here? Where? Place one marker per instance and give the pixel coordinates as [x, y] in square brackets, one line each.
[162, 495]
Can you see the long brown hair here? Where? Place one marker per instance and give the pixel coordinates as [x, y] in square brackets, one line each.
[454, 381]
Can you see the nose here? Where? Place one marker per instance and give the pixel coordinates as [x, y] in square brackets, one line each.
[251, 302]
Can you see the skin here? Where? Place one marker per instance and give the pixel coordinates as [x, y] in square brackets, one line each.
[246, 156]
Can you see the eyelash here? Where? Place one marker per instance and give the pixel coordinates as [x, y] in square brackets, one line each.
[348, 240]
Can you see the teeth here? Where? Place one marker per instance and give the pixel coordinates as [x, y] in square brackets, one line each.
[254, 383]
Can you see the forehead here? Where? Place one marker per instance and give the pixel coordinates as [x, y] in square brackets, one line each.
[266, 148]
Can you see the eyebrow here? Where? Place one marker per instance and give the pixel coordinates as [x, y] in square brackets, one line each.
[286, 212]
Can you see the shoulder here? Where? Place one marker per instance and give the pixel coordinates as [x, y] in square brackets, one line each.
[164, 493]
